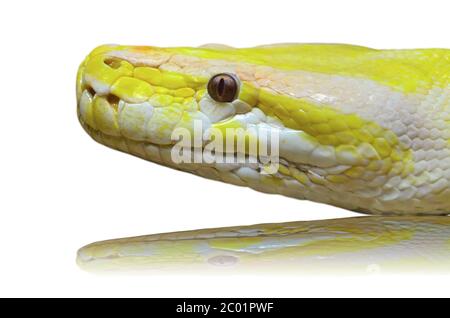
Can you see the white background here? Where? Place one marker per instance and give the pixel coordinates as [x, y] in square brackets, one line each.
[61, 190]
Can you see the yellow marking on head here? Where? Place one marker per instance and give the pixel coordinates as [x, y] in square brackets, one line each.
[248, 94]
[161, 100]
[404, 70]
[149, 74]
[132, 90]
[184, 92]
[354, 138]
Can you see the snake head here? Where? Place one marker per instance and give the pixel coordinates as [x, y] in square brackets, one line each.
[355, 127]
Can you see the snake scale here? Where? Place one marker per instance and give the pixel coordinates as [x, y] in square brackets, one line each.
[363, 129]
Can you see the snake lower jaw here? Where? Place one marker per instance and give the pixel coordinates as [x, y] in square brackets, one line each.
[221, 170]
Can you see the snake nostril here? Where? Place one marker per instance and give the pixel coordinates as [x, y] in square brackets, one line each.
[112, 62]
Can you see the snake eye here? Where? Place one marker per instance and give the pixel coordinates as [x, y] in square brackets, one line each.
[223, 87]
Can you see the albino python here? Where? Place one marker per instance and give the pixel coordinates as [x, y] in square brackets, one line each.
[362, 129]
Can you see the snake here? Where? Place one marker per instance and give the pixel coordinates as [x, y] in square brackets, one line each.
[362, 129]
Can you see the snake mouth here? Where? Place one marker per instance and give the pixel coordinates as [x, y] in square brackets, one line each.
[100, 116]
[164, 155]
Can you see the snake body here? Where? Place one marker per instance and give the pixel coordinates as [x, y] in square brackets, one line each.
[363, 129]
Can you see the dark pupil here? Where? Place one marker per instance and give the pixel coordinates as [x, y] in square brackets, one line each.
[221, 87]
